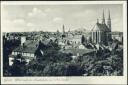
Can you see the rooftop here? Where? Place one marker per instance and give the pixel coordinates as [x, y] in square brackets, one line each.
[30, 47]
[80, 51]
[100, 27]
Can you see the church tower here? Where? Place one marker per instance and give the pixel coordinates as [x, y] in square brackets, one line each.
[69, 30]
[109, 21]
[63, 29]
[97, 21]
[103, 18]
[57, 31]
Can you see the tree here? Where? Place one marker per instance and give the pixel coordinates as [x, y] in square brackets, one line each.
[8, 46]
[83, 40]
[19, 66]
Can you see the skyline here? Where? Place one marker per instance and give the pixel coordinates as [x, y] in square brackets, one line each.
[21, 18]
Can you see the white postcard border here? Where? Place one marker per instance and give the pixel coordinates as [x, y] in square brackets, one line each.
[71, 80]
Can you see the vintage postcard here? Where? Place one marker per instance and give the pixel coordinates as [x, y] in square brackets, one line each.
[64, 42]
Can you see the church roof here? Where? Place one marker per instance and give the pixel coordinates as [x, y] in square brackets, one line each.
[100, 27]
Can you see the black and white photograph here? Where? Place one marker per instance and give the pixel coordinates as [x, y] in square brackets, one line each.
[62, 40]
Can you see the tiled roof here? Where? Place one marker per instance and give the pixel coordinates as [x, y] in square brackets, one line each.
[25, 49]
[30, 47]
[46, 41]
[100, 27]
[31, 43]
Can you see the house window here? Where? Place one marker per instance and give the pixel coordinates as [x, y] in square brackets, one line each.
[28, 54]
[16, 53]
[25, 54]
[22, 53]
[32, 55]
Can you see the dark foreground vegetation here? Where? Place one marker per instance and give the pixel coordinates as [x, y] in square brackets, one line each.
[56, 63]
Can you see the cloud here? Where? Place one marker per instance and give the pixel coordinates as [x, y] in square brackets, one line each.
[19, 21]
[50, 17]
[13, 25]
[48, 10]
[30, 24]
[115, 26]
[58, 19]
[36, 12]
[84, 13]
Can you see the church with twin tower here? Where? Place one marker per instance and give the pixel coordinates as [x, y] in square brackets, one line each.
[101, 31]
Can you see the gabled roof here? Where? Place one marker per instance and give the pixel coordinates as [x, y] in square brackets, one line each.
[30, 47]
[100, 27]
[25, 49]
[31, 43]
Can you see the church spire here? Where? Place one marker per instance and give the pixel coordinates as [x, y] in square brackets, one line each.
[63, 29]
[103, 18]
[109, 20]
[97, 21]
[69, 30]
[57, 31]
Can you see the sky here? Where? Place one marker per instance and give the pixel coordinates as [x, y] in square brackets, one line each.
[26, 18]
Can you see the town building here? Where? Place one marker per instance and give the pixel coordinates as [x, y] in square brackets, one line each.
[118, 36]
[27, 50]
[101, 31]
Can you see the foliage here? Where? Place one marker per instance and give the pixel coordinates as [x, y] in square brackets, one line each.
[18, 67]
[83, 40]
[53, 62]
[8, 46]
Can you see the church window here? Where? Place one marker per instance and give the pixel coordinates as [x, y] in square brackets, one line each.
[96, 37]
